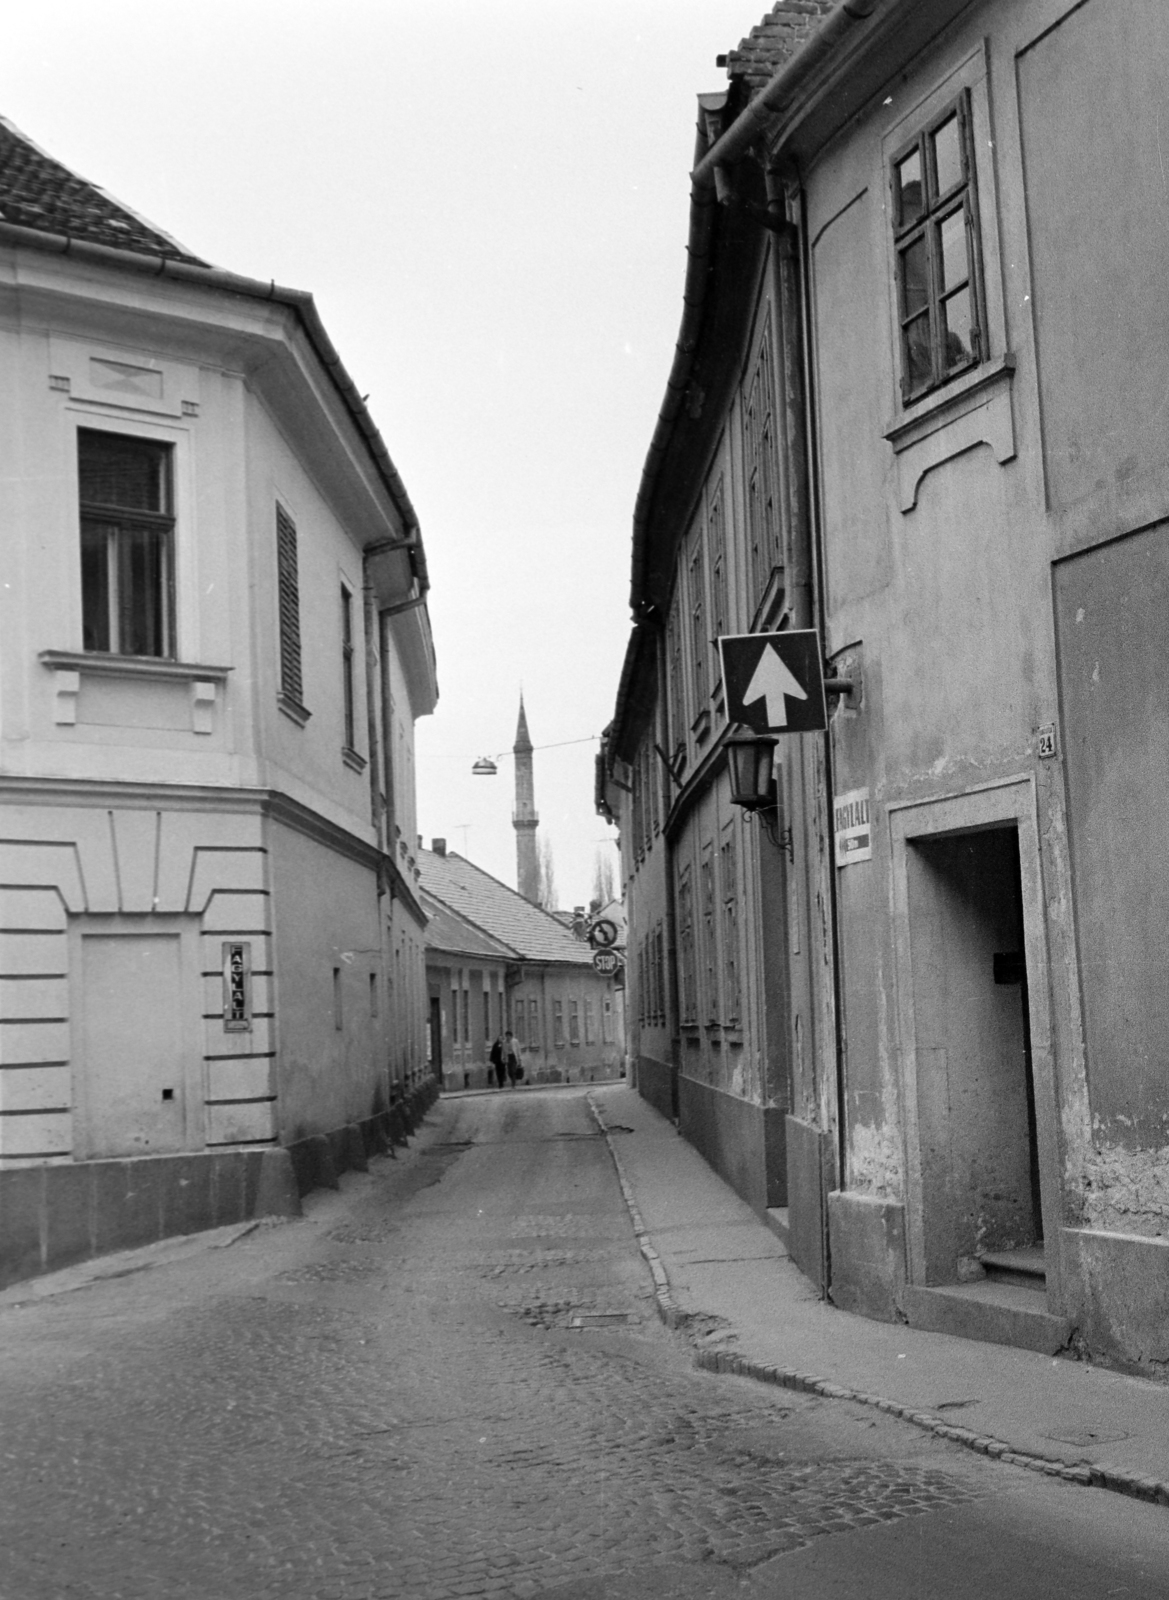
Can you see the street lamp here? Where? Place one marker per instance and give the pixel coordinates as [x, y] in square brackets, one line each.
[752, 767]
[488, 766]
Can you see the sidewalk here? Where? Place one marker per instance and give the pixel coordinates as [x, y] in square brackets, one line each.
[721, 1272]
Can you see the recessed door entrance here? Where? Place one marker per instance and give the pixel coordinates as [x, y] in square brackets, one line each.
[132, 1062]
[975, 1089]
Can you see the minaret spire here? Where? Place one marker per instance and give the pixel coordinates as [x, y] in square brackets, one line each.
[524, 818]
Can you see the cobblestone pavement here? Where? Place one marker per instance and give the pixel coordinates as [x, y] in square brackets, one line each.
[447, 1380]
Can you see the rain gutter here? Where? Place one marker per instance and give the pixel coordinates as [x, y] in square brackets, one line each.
[772, 98]
[704, 202]
[297, 300]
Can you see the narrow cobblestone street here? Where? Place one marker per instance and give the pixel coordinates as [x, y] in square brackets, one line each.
[448, 1380]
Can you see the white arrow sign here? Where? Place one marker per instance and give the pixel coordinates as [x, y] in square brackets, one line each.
[771, 681]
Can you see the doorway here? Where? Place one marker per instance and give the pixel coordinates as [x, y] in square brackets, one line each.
[135, 1091]
[977, 1137]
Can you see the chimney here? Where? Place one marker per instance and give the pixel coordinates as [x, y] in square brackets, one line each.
[438, 846]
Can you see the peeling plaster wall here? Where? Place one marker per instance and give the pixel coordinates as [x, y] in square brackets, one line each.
[1127, 1191]
[875, 1163]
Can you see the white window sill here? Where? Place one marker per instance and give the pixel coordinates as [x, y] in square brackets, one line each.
[973, 409]
[70, 666]
[352, 759]
[293, 709]
[98, 662]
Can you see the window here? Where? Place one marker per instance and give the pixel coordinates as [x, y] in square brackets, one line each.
[590, 1023]
[686, 953]
[574, 1022]
[454, 1015]
[487, 1015]
[127, 545]
[935, 228]
[676, 685]
[719, 584]
[557, 1022]
[730, 897]
[709, 934]
[347, 665]
[763, 531]
[519, 1022]
[291, 682]
[533, 1022]
[699, 643]
[607, 1020]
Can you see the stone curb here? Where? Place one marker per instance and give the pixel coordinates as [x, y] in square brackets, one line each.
[1094, 1475]
[664, 1300]
[1090, 1475]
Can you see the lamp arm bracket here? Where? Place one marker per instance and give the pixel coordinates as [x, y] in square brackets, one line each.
[668, 765]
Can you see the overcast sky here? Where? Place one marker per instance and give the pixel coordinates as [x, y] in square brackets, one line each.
[489, 201]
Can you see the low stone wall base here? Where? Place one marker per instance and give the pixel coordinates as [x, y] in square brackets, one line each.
[319, 1159]
[743, 1142]
[52, 1216]
[867, 1248]
[655, 1083]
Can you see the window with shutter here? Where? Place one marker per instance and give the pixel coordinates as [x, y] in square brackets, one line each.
[291, 678]
[347, 668]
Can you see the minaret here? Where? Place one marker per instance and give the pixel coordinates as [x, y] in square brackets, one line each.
[524, 819]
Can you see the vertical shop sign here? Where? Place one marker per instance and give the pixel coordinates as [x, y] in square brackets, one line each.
[237, 987]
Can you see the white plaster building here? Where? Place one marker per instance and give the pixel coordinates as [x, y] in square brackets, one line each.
[213, 646]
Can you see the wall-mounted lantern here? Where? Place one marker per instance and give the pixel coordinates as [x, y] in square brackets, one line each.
[754, 786]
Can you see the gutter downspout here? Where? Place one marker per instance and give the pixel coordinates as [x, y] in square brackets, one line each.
[369, 606]
[705, 196]
[703, 209]
[753, 121]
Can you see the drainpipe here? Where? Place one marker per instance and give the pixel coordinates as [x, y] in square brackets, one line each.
[752, 123]
[369, 604]
[389, 808]
[811, 579]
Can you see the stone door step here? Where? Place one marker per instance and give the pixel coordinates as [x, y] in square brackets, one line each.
[995, 1312]
[1026, 1268]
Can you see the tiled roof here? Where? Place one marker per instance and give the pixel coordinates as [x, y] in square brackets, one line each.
[476, 897]
[38, 192]
[776, 40]
[451, 935]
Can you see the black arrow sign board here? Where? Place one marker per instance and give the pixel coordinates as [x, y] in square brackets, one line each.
[774, 682]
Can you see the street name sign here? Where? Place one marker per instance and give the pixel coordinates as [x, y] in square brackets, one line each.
[774, 682]
[854, 838]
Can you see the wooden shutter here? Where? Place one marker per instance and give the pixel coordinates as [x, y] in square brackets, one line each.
[291, 680]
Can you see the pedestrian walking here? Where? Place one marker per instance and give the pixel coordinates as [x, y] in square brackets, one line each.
[511, 1053]
[499, 1060]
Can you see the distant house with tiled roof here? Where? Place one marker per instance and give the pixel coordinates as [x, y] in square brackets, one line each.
[494, 961]
[213, 634]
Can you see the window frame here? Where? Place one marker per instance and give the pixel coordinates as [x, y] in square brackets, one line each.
[288, 630]
[119, 523]
[348, 688]
[937, 208]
